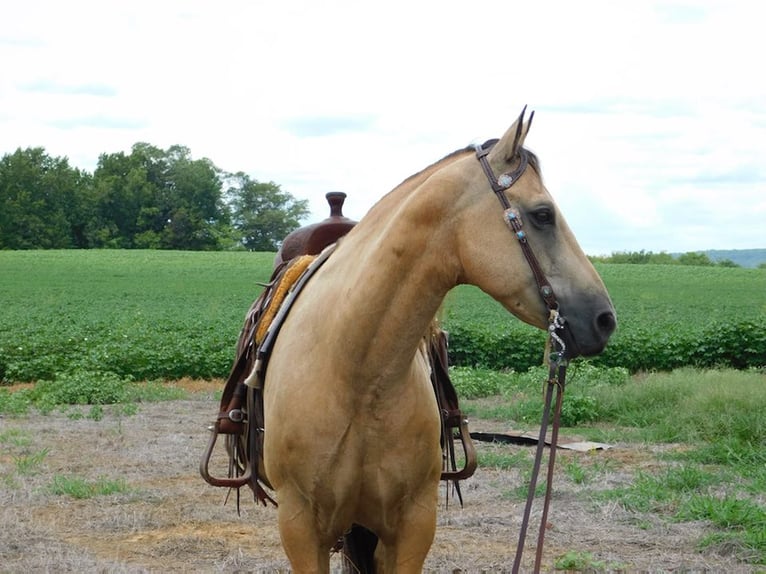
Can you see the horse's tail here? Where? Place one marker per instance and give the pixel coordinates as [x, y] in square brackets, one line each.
[359, 550]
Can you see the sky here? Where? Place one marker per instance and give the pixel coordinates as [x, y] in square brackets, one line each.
[650, 117]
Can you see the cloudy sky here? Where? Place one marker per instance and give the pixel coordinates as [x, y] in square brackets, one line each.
[650, 116]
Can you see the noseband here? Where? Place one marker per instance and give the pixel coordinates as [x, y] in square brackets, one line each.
[557, 350]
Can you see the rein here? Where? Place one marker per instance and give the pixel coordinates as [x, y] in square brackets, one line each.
[556, 349]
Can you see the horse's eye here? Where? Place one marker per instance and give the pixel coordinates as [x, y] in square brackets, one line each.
[543, 216]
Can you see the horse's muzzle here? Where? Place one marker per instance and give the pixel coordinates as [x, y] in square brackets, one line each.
[588, 338]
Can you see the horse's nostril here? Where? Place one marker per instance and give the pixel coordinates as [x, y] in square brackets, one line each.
[606, 323]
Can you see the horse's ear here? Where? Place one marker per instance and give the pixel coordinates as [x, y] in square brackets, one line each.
[508, 146]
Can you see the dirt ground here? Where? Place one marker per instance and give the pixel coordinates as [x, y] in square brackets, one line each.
[170, 520]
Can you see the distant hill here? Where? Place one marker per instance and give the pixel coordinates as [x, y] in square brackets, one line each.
[742, 257]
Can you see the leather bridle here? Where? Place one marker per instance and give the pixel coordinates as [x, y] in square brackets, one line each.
[556, 347]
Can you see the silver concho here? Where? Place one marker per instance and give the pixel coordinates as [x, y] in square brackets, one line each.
[505, 181]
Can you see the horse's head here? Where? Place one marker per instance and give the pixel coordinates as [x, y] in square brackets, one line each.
[493, 257]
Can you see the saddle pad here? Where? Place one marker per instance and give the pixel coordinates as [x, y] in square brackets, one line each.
[288, 279]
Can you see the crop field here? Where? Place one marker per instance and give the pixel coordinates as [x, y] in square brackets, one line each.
[160, 314]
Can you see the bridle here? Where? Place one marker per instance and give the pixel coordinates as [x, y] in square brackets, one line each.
[555, 346]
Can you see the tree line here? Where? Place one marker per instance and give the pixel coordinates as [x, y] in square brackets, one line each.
[149, 198]
[663, 258]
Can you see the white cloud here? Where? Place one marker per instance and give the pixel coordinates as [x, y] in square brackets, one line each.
[651, 117]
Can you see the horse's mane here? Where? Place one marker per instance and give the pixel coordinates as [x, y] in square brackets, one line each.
[534, 161]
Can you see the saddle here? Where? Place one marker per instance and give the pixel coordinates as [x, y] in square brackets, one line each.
[240, 418]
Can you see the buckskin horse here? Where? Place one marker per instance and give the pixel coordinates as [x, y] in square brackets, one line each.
[352, 428]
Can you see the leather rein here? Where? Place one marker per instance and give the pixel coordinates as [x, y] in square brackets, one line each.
[556, 348]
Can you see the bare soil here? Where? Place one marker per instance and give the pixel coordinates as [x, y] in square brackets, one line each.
[170, 520]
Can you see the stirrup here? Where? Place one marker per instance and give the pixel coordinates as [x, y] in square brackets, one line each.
[204, 463]
[468, 451]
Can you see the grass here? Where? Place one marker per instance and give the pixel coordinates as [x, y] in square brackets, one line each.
[86, 388]
[30, 462]
[716, 418]
[14, 437]
[80, 488]
[488, 458]
[576, 561]
[690, 405]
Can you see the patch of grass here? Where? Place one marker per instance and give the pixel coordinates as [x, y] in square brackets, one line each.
[503, 460]
[15, 438]
[690, 405]
[576, 472]
[83, 388]
[741, 524]
[92, 388]
[728, 512]
[29, 463]
[521, 491]
[477, 383]
[663, 491]
[154, 391]
[576, 561]
[80, 488]
[15, 403]
[522, 393]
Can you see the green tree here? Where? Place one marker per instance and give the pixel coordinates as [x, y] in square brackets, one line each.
[692, 258]
[194, 205]
[641, 258]
[726, 263]
[126, 201]
[44, 202]
[154, 198]
[262, 213]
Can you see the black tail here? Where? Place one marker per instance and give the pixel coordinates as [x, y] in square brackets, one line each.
[359, 550]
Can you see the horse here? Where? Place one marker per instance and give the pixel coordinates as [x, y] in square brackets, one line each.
[352, 429]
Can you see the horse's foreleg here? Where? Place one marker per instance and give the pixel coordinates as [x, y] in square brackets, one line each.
[408, 549]
[301, 539]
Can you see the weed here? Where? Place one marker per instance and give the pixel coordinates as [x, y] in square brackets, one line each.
[28, 464]
[15, 403]
[576, 472]
[15, 437]
[96, 412]
[575, 561]
[729, 513]
[743, 525]
[79, 488]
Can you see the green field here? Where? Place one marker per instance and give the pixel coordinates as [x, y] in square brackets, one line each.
[164, 314]
[668, 316]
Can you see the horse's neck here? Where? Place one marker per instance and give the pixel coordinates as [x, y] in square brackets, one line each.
[389, 279]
